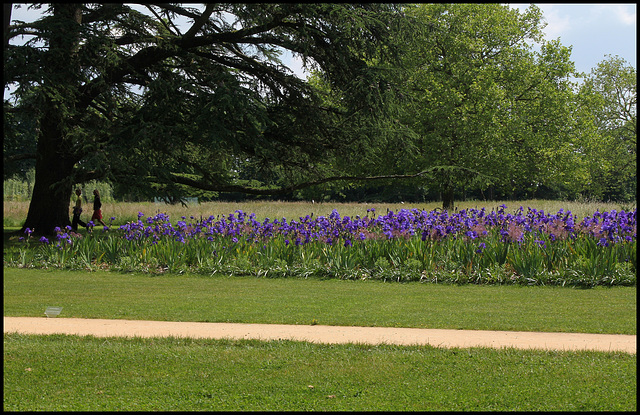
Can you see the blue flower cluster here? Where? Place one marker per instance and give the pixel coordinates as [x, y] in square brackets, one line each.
[469, 224]
[471, 245]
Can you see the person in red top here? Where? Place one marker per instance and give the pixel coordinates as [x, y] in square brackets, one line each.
[97, 206]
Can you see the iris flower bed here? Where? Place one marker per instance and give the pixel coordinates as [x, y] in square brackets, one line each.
[469, 246]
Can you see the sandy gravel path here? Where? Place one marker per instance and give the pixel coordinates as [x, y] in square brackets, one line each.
[324, 334]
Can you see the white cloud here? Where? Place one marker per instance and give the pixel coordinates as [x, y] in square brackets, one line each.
[557, 23]
[624, 13]
[563, 18]
[557, 20]
[592, 30]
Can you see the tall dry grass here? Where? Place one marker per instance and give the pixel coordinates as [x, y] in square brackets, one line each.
[15, 212]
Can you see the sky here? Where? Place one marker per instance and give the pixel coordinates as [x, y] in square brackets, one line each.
[592, 30]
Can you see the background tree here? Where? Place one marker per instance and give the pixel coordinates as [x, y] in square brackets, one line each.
[130, 96]
[487, 108]
[608, 96]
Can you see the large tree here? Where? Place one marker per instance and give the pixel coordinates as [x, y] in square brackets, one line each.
[608, 98]
[137, 96]
[489, 107]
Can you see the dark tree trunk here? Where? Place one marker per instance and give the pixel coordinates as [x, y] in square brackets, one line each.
[447, 198]
[47, 209]
[7, 20]
[52, 189]
[49, 205]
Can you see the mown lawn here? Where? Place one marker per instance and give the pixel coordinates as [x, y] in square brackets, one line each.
[59, 372]
[330, 302]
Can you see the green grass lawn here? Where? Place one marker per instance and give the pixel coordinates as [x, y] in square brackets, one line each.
[59, 372]
[331, 302]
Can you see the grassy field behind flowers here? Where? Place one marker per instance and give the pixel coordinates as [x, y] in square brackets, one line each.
[15, 212]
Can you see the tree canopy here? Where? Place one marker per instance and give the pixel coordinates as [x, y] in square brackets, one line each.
[160, 99]
[118, 93]
[487, 107]
[608, 99]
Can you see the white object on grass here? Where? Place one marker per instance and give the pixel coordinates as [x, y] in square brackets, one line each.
[53, 311]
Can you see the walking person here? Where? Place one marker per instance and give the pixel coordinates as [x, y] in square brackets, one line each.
[97, 206]
[77, 210]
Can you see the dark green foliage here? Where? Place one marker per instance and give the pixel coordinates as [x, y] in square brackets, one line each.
[156, 108]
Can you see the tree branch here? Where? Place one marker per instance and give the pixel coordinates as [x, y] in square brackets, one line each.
[153, 54]
[284, 190]
[18, 157]
[178, 10]
[162, 21]
[200, 21]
